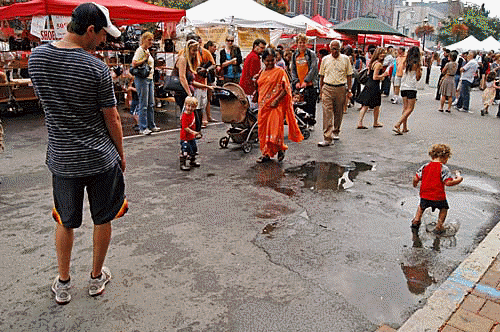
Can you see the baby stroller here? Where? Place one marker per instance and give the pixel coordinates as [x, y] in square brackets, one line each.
[235, 110]
[304, 119]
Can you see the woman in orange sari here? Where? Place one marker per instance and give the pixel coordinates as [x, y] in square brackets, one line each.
[275, 104]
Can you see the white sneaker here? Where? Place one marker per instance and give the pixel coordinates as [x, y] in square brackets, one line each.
[336, 137]
[61, 291]
[96, 286]
[155, 129]
[324, 143]
[145, 132]
[455, 102]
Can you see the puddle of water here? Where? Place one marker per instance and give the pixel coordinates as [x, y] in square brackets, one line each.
[317, 175]
[479, 184]
[312, 175]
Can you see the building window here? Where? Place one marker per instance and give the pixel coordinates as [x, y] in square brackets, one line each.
[357, 8]
[321, 7]
[333, 9]
[307, 7]
[292, 6]
[345, 10]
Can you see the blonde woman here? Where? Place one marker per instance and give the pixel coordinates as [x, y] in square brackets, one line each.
[145, 86]
[185, 67]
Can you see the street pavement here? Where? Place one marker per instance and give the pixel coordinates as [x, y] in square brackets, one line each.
[320, 242]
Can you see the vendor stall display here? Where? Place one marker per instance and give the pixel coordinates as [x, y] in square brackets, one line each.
[47, 20]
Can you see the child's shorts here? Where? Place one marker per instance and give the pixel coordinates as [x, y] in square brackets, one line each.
[426, 203]
[189, 148]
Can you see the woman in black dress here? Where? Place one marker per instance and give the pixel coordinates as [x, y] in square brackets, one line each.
[371, 96]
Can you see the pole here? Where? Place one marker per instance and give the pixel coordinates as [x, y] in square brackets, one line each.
[397, 20]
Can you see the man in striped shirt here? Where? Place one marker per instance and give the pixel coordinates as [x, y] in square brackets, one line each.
[85, 139]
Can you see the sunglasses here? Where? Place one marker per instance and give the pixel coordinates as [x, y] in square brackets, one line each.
[230, 40]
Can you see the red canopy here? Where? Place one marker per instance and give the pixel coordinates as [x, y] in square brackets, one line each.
[321, 20]
[122, 12]
[387, 39]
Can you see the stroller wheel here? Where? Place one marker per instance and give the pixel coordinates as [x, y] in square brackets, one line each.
[247, 147]
[306, 133]
[223, 142]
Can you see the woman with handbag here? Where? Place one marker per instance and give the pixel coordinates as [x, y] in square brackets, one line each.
[145, 85]
[230, 61]
[185, 68]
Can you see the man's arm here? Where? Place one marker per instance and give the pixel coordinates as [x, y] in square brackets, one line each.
[114, 125]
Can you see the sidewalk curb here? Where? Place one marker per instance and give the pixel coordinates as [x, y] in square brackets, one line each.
[447, 298]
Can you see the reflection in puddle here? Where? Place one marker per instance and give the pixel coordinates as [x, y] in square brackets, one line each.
[328, 176]
[313, 175]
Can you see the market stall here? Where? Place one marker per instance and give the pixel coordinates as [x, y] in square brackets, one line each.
[47, 20]
[248, 20]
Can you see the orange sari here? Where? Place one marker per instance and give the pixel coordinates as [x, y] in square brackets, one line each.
[271, 119]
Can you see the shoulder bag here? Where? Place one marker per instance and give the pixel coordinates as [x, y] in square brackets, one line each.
[173, 82]
[363, 76]
[141, 71]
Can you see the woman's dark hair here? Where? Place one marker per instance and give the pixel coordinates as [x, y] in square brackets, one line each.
[323, 52]
[453, 56]
[412, 58]
[491, 77]
[267, 52]
[208, 44]
[348, 50]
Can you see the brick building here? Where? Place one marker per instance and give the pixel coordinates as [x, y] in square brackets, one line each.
[337, 11]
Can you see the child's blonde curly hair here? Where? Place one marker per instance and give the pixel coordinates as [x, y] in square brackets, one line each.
[440, 151]
[191, 101]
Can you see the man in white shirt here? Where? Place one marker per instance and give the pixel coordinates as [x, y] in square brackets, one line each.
[468, 72]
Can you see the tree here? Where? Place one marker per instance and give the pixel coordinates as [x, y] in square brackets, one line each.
[475, 23]
[279, 6]
[175, 4]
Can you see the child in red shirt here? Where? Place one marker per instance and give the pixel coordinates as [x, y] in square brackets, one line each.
[434, 176]
[189, 135]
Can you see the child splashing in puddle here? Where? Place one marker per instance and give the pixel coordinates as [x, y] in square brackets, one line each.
[434, 176]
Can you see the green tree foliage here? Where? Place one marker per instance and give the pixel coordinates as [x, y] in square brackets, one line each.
[477, 23]
[175, 4]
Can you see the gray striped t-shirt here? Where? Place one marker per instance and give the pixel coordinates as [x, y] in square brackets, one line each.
[73, 87]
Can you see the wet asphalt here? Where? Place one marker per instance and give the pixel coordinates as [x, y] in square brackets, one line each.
[319, 242]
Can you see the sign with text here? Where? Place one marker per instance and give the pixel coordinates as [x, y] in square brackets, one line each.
[215, 34]
[60, 24]
[38, 23]
[246, 37]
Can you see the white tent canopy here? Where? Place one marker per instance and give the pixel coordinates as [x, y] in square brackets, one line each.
[468, 44]
[490, 43]
[243, 13]
[312, 25]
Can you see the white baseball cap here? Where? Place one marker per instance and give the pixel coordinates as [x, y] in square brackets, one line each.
[86, 12]
[110, 28]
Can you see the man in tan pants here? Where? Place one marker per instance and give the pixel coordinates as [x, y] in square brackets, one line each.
[335, 83]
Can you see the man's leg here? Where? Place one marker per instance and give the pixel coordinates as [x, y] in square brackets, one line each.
[340, 99]
[466, 96]
[64, 245]
[102, 237]
[327, 100]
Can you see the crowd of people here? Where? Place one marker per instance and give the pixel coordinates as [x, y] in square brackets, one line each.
[85, 138]
[331, 76]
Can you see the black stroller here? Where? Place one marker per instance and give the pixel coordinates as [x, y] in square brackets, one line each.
[235, 110]
[304, 119]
